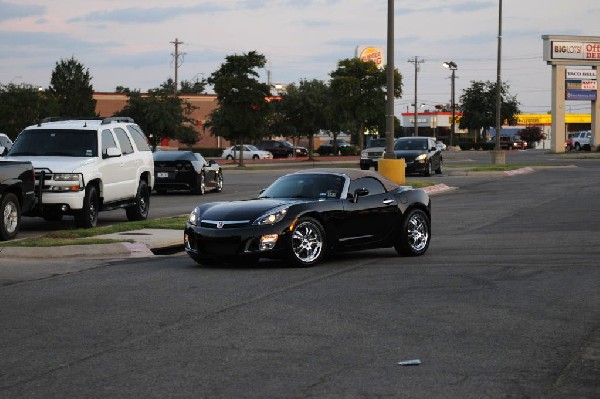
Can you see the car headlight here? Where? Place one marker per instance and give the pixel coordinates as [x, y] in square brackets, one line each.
[364, 153]
[273, 216]
[421, 157]
[67, 177]
[194, 216]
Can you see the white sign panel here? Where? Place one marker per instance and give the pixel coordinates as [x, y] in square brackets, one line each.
[589, 85]
[580, 74]
[575, 51]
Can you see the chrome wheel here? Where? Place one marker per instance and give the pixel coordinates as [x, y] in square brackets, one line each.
[219, 179]
[415, 234]
[307, 242]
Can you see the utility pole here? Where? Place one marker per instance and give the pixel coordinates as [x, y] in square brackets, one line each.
[389, 107]
[176, 56]
[416, 61]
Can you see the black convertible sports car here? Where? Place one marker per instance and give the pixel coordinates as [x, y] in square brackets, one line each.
[304, 215]
[185, 170]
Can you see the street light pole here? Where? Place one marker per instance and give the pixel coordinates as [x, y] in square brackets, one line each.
[453, 67]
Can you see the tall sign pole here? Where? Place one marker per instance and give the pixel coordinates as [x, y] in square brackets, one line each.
[498, 157]
[389, 114]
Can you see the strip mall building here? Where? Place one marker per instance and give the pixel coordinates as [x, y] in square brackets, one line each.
[430, 123]
[438, 124]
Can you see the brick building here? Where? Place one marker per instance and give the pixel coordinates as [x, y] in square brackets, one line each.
[109, 103]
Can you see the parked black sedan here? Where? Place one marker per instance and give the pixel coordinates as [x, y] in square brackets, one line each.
[305, 215]
[420, 154]
[185, 170]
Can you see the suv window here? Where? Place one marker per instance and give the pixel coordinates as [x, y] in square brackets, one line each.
[126, 147]
[107, 140]
[56, 142]
[139, 138]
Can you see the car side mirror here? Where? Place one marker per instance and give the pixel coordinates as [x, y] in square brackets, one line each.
[359, 192]
[112, 152]
[433, 149]
[211, 162]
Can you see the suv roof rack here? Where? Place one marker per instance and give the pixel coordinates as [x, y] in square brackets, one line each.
[124, 119]
[104, 120]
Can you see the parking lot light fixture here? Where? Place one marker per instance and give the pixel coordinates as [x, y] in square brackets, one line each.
[453, 67]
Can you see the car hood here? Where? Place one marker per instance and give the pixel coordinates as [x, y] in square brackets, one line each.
[241, 210]
[57, 164]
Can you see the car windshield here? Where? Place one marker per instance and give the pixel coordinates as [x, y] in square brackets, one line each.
[306, 185]
[56, 142]
[411, 144]
[377, 143]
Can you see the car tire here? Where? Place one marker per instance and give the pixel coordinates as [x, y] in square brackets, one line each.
[440, 168]
[307, 242]
[428, 169]
[229, 157]
[87, 217]
[10, 217]
[577, 147]
[219, 182]
[139, 211]
[255, 157]
[200, 187]
[415, 234]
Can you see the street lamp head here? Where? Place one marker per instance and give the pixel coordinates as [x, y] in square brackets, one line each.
[450, 65]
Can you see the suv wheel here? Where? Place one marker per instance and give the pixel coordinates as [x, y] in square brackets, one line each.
[10, 217]
[87, 217]
[139, 211]
[440, 168]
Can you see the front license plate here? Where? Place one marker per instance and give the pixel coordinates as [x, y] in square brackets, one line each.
[162, 174]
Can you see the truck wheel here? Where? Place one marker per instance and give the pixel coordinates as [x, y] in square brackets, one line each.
[87, 217]
[10, 217]
[139, 211]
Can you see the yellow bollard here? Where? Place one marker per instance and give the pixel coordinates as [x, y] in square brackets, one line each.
[393, 169]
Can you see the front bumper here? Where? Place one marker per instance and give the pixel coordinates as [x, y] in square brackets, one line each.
[228, 243]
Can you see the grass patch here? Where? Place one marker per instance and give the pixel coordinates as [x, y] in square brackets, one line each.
[87, 236]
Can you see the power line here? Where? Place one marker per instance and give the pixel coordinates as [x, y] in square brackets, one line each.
[176, 58]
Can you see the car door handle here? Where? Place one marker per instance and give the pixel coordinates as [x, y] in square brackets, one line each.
[389, 201]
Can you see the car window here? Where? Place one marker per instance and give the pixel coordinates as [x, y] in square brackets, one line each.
[139, 138]
[107, 140]
[200, 158]
[370, 183]
[126, 147]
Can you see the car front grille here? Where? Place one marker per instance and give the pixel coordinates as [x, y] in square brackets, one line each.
[230, 224]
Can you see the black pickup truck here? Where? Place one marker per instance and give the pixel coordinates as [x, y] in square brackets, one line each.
[17, 195]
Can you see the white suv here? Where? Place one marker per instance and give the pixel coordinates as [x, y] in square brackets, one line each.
[582, 140]
[88, 165]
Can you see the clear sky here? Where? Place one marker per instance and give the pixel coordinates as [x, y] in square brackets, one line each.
[129, 43]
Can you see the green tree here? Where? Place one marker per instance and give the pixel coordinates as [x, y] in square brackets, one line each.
[243, 109]
[305, 109]
[23, 105]
[358, 97]
[532, 134]
[478, 105]
[71, 85]
[161, 115]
